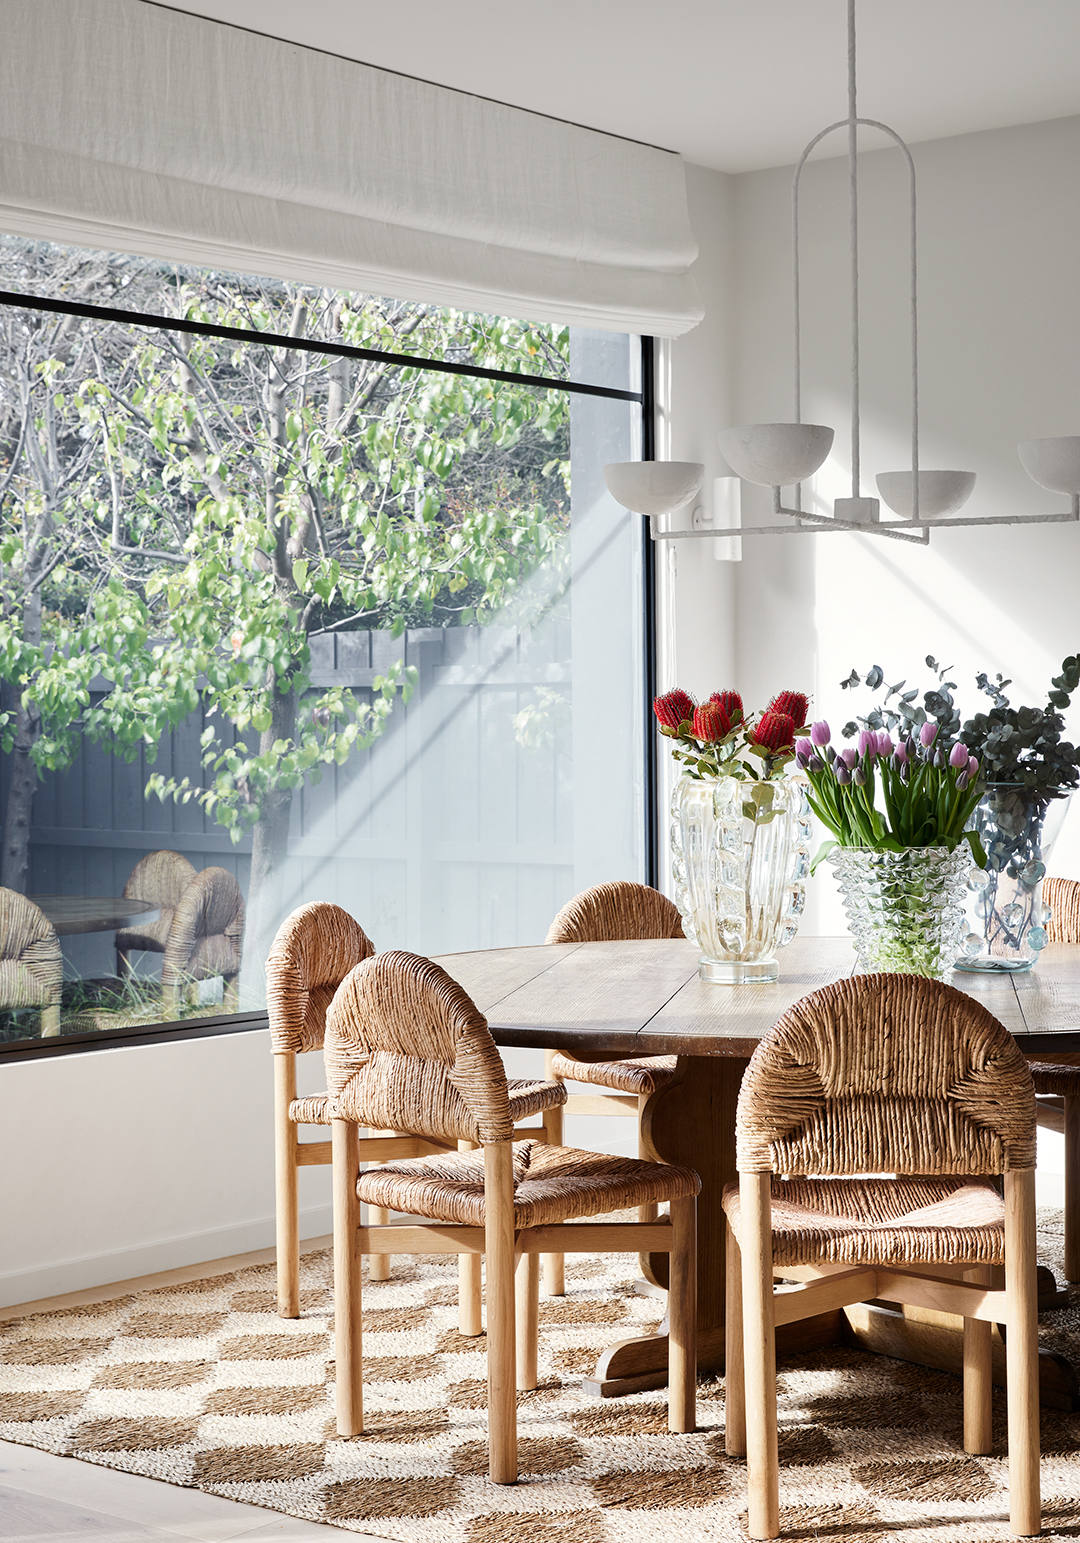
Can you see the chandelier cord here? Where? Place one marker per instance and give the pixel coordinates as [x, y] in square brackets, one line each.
[853, 215]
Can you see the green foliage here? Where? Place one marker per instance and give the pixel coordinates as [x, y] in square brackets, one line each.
[1023, 746]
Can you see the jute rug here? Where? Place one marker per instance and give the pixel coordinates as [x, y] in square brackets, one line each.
[206, 1386]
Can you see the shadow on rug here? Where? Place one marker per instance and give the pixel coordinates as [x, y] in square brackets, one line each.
[205, 1386]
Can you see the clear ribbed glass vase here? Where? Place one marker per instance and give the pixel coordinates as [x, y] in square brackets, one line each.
[740, 856]
[905, 909]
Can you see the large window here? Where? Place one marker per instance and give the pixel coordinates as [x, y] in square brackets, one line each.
[297, 620]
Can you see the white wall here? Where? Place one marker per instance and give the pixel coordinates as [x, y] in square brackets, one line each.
[999, 222]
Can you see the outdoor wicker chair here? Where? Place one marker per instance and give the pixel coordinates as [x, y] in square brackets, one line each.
[1063, 1081]
[159, 878]
[206, 938]
[406, 1047]
[31, 964]
[884, 1075]
[613, 912]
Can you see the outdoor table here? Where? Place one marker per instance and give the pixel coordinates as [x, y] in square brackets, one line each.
[603, 1000]
[71, 914]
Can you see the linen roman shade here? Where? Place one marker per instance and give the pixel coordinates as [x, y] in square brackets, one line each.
[126, 125]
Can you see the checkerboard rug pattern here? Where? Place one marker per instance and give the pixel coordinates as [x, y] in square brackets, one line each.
[204, 1385]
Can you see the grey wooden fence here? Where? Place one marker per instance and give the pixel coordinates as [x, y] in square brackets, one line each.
[446, 833]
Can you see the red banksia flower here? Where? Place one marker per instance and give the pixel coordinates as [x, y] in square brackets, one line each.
[731, 702]
[793, 703]
[673, 708]
[774, 731]
[711, 723]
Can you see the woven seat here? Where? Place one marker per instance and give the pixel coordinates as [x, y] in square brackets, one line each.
[1054, 1081]
[880, 1075]
[891, 1221]
[160, 879]
[639, 1075]
[31, 964]
[551, 1184]
[616, 912]
[402, 1036]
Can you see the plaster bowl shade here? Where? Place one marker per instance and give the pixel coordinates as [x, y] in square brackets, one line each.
[1053, 463]
[940, 492]
[776, 454]
[653, 487]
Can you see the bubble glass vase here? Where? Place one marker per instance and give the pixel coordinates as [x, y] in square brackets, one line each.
[905, 909]
[1006, 918]
[740, 856]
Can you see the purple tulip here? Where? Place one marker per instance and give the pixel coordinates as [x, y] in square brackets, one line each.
[962, 781]
[858, 777]
[958, 755]
[843, 776]
[973, 768]
[939, 759]
[849, 757]
[884, 744]
[927, 735]
[820, 734]
[900, 753]
[905, 772]
[815, 764]
[867, 743]
[803, 751]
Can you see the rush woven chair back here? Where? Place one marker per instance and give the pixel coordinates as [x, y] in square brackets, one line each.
[159, 878]
[206, 937]
[314, 950]
[884, 1074]
[1060, 1083]
[616, 912]
[31, 964]
[405, 1044]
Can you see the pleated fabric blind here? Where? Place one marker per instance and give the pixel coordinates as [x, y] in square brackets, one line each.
[125, 125]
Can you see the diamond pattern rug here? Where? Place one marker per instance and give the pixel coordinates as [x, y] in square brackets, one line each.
[203, 1385]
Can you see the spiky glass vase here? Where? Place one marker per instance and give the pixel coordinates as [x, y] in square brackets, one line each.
[905, 909]
[740, 856]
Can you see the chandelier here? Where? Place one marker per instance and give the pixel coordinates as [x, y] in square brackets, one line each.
[783, 455]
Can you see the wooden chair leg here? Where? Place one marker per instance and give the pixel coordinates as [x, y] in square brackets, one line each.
[978, 1383]
[50, 1021]
[499, 1251]
[734, 1385]
[1022, 1352]
[1072, 1187]
[348, 1340]
[682, 1317]
[527, 1315]
[759, 1356]
[378, 1267]
[231, 996]
[469, 1288]
[554, 1268]
[650, 1210]
[287, 1209]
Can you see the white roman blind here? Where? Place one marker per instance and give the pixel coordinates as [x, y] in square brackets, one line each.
[125, 125]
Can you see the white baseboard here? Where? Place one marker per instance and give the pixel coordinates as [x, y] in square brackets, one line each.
[53, 1280]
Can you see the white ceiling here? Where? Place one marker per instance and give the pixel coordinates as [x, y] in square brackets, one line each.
[734, 84]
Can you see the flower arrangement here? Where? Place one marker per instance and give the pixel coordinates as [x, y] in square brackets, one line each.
[715, 738]
[929, 789]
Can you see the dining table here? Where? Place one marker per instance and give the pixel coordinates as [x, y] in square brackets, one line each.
[611, 999]
[72, 914]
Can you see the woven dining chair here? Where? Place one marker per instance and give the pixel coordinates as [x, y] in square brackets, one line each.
[617, 912]
[313, 952]
[1063, 1082]
[159, 878]
[884, 1075]
[405, 1046]
[206, 938]
[31, 964]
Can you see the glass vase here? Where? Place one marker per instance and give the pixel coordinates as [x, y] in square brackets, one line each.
[740, 855]
[1006, 918]
[905, 909]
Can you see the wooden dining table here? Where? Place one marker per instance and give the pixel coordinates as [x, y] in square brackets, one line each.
[603, 1000]
[72, 914]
